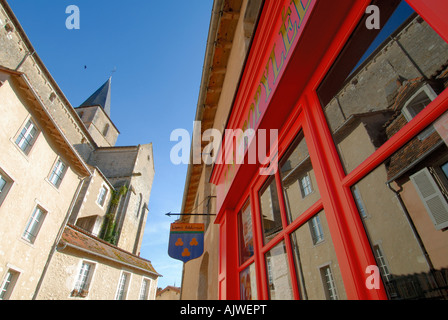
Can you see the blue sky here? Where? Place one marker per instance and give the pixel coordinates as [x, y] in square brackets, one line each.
[157, 48]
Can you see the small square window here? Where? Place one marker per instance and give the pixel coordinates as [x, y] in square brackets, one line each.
[27, 137]
[58, 173]
[34, 224]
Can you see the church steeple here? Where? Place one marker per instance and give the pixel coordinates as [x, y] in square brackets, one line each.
[101, 97]
[95, 114]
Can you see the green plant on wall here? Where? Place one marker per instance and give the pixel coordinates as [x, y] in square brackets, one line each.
[109, 230]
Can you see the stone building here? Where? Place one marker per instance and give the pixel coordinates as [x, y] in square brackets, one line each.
[73, 206]
[169, 293]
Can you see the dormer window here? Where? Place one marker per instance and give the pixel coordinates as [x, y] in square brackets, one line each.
[418, 101]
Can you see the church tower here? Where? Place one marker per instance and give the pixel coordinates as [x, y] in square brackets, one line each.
[128, 169]
[95, 114]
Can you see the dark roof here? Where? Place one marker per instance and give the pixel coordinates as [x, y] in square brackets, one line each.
[101, 98]
[79, 239]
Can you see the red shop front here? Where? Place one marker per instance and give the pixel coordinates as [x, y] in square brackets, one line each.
[355, 202]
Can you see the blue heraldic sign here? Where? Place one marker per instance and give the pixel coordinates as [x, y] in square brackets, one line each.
[186, 241]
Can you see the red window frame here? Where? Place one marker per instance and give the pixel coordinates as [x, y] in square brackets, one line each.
[352, 247]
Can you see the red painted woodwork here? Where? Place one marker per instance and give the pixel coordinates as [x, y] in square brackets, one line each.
[294, 106]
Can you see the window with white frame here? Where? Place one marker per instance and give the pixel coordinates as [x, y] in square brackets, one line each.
[8, 284]
[123, 286]
[381, 261]
[359, 203]
[144, 289]
[5, 185]
[84, 279]
[305, 185]
[316, 230]
[416, 104]
[328, 282]
[58, 173]
[27, 136]
[34, 224]
[102, 196]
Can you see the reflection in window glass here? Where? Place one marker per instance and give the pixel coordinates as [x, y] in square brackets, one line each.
[368, 98]
[248, 284]
[317, 268]
[298, 179]
[406, 198]
[279, 280]
[270, 210]
[329, 284]
[246, 241]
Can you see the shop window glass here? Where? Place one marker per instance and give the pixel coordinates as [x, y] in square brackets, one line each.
[270, 210]
[407, 224]
[298, 179]
[248, 285]
[246, 242]
[318, 272]
[382, 80]
[279, 279]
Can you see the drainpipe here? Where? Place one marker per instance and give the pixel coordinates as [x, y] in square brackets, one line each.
[411, 224]
[58, 238]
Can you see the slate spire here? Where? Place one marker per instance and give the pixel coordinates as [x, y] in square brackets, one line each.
[101, 97]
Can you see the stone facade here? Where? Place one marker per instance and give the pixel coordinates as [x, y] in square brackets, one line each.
[90, 194]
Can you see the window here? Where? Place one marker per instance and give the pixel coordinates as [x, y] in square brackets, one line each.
[58, 173]
[248, 283]
[246, 242]
[84, 280]
[310, 258]
[305, 185]
[416, 104]
[106, 129]
[27, 136]
[8, 284]
[34, 224]
[381, 261]
[316, 230]
[123, 286]
[280, 287]
[5, 185]
[270, 210]
[432, 198]
[359, 203]
[296, 168]
[329, 283]
[381, 80]
[144, 289]
[102, 196]
[405, 198]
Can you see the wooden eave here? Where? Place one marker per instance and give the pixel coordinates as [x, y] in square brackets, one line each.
[212, 86]
[47, 123]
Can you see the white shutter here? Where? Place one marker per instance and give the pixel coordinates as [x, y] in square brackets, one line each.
[432, 197]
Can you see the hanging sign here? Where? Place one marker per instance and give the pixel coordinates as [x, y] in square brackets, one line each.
[186, 241]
